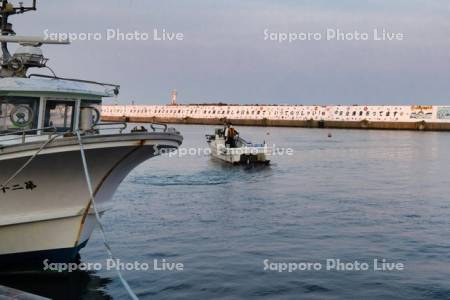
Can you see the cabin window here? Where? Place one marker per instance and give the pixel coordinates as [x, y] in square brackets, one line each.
[59, 114]
[18, 113]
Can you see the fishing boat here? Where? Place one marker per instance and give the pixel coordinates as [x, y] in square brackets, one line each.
[240, 152]
[51, 141]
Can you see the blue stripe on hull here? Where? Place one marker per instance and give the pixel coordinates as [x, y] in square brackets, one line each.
[35, 259]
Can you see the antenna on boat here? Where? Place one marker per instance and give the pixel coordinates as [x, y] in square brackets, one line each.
[28, 55]
[7, 10]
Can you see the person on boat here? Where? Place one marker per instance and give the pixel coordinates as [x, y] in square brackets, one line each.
[230, 136]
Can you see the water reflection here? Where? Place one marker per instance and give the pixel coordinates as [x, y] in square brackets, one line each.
[75, 285]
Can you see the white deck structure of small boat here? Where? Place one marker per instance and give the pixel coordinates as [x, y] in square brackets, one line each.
[244, 153]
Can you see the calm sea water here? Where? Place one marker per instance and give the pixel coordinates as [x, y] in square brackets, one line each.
[358, 196]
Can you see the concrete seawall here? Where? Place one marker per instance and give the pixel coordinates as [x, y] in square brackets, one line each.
[419, 126]
[400, 117]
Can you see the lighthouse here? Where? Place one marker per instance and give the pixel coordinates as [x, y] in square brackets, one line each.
[174, 95]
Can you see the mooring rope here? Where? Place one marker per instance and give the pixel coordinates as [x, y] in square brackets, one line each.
[97, 215]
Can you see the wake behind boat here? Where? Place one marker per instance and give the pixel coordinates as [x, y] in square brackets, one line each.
[228, 146]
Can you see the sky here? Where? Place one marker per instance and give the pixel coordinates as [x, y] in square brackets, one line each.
[225, 55]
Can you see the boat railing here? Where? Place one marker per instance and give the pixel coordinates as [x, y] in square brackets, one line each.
[158, 127]
[115, 87]
[51, 131]
[250, 144]
[244, 141]
[22, 134]
[121, 126]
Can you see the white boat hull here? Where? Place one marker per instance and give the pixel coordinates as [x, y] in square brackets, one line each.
[240, 155]
[46, 211]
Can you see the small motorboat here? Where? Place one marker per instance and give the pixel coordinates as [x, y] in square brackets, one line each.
[242, 152]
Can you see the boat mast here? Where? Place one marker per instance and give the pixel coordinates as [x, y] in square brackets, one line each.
[8, 9]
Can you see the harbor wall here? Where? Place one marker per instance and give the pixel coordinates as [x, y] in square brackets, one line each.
[414, 117]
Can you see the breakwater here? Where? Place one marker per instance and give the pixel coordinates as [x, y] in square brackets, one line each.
[402, 117]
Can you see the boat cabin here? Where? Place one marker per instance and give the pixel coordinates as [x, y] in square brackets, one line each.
[41, 106]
